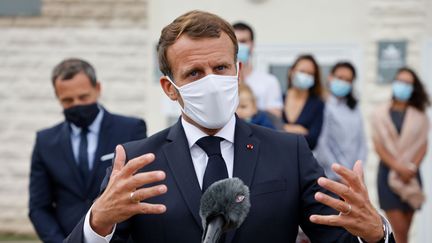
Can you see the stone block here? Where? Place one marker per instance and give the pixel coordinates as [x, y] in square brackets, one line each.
[29, 104]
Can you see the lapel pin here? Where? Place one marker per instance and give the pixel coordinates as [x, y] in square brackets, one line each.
[250, 146]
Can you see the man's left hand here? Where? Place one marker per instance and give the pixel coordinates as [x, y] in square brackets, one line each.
[357, 214]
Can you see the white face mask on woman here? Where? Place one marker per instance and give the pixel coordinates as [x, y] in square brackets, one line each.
[210, 101]
[303, 81]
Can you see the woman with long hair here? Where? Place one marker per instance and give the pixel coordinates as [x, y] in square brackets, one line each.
[342, 138]
[303, 105]
[400, 130]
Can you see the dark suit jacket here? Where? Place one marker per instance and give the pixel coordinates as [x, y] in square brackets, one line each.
[58, 196]
[280, 171]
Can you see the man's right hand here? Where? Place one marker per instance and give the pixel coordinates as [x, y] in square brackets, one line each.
[121, 199]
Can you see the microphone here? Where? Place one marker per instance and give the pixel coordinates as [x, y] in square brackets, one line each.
[224, 206]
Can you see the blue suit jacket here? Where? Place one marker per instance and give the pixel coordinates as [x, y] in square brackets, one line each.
[280, 172]
[58, 196]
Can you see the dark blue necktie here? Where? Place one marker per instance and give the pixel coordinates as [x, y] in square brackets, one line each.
[83, 163]
[216, 168]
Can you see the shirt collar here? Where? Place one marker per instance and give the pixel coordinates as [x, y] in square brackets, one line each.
[193, 133]
[93, 128]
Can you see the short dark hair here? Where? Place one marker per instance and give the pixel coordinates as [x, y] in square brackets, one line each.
[244, 26]
[351, 101]
[68, 68]
[194, 24]
[316, 89]
[419, 98]
[344, 64]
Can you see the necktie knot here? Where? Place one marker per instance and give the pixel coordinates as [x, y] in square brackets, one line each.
[84, 131]
[210, 145]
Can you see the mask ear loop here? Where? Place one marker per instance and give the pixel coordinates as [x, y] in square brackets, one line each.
[178, 90]
[237, 69]
[169, 79]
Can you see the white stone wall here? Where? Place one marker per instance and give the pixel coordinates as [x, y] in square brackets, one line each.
[109, 34]
[389, 20]
[84, 13]
[28, 102]
[398, 20]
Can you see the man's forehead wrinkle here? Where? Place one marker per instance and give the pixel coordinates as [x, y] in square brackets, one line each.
[198, 63]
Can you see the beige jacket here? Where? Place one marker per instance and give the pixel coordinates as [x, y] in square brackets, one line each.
[403, 147]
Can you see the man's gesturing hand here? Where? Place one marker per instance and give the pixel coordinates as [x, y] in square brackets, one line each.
[357, 214]
[121, 199]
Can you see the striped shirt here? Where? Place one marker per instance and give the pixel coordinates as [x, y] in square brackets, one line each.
[342, 137]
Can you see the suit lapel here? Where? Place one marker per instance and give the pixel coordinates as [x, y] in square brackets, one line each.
[104, 140]
[246, 148]
[246, 151]
[180, 162]
[66, 145]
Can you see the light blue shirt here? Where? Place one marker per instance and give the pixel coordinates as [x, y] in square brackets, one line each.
[92, 138]
[342, 138]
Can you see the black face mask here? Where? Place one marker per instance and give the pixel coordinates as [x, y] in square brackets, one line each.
[82, 115]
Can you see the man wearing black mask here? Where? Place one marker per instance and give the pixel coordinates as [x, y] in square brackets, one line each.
[69, 160]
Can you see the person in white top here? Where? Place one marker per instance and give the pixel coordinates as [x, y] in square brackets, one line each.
[265, 86]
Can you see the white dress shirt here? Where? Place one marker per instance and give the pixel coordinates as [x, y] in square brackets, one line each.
[92, 138]
[266, 89]
[199, 160]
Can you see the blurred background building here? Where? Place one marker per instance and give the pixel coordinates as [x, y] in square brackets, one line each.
[119, 38]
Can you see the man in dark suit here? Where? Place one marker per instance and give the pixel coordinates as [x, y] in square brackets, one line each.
[197, 55]
[69, 160]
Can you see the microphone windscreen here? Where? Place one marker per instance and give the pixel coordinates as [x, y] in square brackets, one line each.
[228, 198]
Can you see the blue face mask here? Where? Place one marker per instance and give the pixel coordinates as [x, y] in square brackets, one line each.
[402, 91]
[243, 53]
[303, 81]
[340, 88]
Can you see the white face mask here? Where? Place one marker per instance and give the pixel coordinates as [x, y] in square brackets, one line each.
[210, 101]
[303, 81]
